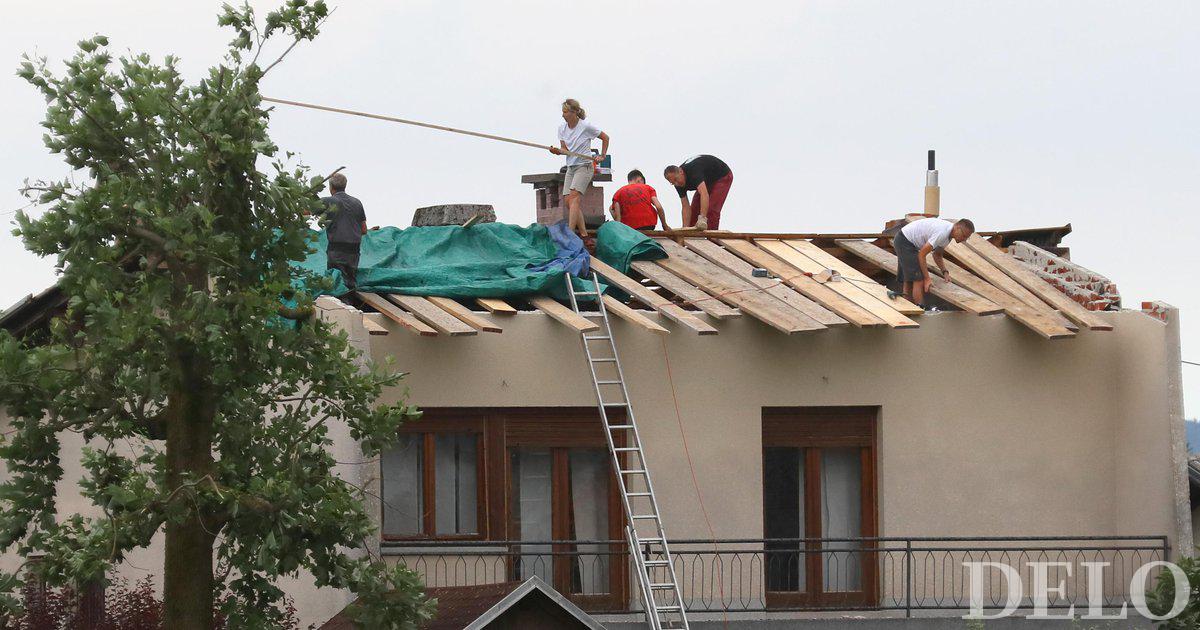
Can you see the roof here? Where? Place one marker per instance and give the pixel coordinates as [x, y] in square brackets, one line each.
[794, 283]
[474, 607]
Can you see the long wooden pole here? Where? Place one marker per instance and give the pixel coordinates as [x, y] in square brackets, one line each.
[405, 121]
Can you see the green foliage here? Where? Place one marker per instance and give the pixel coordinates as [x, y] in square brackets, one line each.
[1162, 597]
[176, 253]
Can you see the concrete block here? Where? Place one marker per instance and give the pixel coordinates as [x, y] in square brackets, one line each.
[453, 214]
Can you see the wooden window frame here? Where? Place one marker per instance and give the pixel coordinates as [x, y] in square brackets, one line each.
[503, 428]
[560, 430]
[812, 429]
[429, 427]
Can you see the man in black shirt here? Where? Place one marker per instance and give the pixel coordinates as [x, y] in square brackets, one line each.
[345, 223]
[711, 179]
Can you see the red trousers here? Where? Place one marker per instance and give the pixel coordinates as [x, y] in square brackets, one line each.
[716, 198]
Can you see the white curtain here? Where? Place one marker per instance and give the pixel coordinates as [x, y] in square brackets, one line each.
[402, 487]
[841, 517]
[531, 477]
[589, 503]
[455, 482]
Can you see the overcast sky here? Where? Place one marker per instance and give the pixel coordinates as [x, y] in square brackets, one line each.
[1043, 113]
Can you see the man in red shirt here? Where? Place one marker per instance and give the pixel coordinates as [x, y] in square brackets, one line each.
[636, 204]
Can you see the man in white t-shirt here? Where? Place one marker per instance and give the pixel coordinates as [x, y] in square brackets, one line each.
[915, 241]
[575, 136]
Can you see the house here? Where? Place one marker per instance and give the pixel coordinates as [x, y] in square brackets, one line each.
[814, 443]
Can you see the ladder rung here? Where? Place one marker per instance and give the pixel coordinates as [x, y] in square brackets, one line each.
[616, 404]
[655, 563]
[633, 472]
[637, 516]
[619, 426]
[604, 360]
[622, 449]
[637, 494]
[586, 293]
[608, 382]
[649, 540]
[664, 585]
[667, 608]
[596, 337]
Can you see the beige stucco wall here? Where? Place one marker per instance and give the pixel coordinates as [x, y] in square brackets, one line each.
[986, 429]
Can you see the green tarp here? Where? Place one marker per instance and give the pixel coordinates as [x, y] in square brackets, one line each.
[618, 245]
[486, 260]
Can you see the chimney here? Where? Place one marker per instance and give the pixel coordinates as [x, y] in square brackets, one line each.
[933, 193]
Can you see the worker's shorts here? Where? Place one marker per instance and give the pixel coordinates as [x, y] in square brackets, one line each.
[578, 177]
[908, 270]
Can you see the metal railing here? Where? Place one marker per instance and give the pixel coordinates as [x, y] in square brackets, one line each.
[755, 575]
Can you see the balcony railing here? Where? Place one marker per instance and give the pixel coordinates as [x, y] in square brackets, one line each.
[830, 574]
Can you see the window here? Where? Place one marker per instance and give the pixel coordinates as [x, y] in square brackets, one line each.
[818, 483]
[431, 485]
[515, 475]
[561, 488]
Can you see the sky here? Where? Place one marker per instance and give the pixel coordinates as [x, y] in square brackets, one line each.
[1042, 113]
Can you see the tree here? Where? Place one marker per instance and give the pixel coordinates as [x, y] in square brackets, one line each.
[188, 357]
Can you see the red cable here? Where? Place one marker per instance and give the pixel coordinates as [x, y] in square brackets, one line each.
[695, 483]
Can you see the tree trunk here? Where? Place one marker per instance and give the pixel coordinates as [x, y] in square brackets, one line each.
[188, 569]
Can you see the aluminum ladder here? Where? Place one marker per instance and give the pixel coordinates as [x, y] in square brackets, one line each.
[662, 599]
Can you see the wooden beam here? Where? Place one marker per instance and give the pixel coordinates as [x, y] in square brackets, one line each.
[846, 288]
[988, 272]
[570, 318]
[615, 307]
[496, 306]
[943, 289]
[1039, 321]
[1028, 279]
[794, 278]
[865, 283]
[723, 284]
[390, 311]
[661, 276]
[373, 328]
[659, 303]
[464, 314]
[425, 311]
[744, 270]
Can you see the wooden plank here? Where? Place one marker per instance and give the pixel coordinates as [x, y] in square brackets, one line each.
[570, 318]
[659, 303]
[848, 289]
[807, 286]
[464, 314]
[425, 311]
[723, 284]
[999, 279]
[943, 289]
[861, 279]
[744, 270]
[615, 307]
[496, 306]
[1036, 320]
[661, 276]
[1028, 279]
[390, 311]
[373, 328]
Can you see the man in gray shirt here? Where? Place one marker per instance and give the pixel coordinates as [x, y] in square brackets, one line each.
[345, 223]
